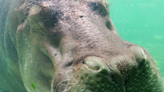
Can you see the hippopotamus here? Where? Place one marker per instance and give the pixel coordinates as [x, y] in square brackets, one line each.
[69, 46]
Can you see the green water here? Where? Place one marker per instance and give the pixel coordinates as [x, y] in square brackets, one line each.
[141, 22]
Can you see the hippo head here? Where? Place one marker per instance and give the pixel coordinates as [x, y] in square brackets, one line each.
[73, 46]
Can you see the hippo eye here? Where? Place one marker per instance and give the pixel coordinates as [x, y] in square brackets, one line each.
[98, 7]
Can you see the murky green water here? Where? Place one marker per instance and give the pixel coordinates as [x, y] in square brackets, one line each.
[141, 22]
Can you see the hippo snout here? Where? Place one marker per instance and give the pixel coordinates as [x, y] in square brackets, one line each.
[122, 73]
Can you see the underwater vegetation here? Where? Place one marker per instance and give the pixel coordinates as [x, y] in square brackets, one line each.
[33, 85]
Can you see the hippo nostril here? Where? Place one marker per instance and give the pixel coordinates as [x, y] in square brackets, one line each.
[138, 52]
[95, 63]
[92, 64]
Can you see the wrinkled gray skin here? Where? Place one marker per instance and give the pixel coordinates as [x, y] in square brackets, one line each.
[69, 46]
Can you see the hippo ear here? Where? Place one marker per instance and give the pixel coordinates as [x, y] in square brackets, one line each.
[41, 5]
[106, 3]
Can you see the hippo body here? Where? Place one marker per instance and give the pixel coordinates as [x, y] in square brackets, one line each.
[69, 46]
